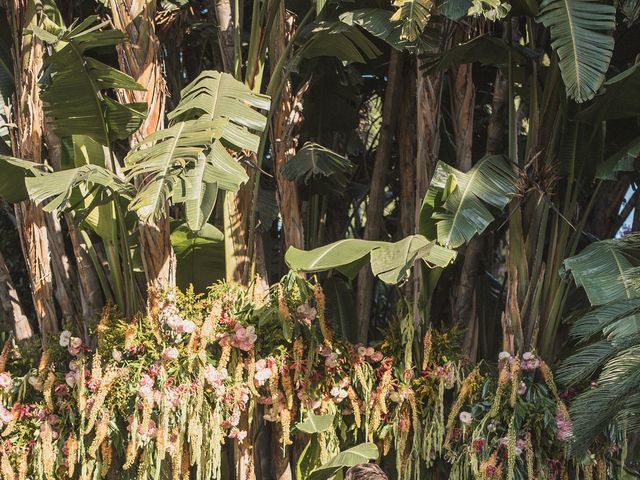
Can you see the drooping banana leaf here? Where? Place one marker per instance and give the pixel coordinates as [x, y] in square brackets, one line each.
[315, 423]
[192, 159]
[413, 15]
[582, 36]
[389, 261]
[337, 39]
[378, 22]
[605, 269]
[15, 172]
[60, 185]
[74, 96]
[455, 207]
[218, 95]
[622, 161]
[340, 306]
[618, 98]
[313, 161]
[362, 453]
[483, 49]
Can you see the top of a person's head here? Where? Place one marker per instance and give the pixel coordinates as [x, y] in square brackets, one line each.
[366, 471]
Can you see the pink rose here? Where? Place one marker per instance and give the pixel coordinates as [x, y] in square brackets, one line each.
[244, 338]
[377, 356]
[5, 415]
[169, 354]
[5, 381]
[237, 433]
[75, 346]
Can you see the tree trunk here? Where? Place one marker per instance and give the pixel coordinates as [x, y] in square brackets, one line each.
[373, 228]
[140, 58]
[11, 307]
[27, 115]
[286, 116]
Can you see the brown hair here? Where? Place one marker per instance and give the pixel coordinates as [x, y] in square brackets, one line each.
[366, 471]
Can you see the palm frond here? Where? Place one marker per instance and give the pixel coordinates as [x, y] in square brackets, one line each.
[582, 36]
[189, 161]
[60, 185]
[615, 319]
[594, 409]
[455, 206]
[337, 39]
[603, 269]
[313, 161]
[73, 97]
[413, 15]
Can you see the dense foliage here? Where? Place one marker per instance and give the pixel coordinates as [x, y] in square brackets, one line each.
[274, 238]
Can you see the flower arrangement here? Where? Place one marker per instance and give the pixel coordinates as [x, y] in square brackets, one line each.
[164, 394]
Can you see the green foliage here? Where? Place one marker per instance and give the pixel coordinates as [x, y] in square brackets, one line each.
[582, 36]
[455, 206]
[362, 453]
[74, 97]
[391, 262]
[315, 162]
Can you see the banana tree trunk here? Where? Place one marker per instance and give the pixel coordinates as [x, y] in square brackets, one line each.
[285, 118]
[11, 307]
[27, 116]
[140, 58]
[373, 228]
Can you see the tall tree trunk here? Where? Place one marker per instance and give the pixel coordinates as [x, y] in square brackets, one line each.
[406, 132]
[373, 228]
[27, 115]
[11, 307]
[285, 118]
[140, 58]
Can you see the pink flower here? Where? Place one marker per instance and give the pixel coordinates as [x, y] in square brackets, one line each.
[214, 377]
[563, 427]
[263, 371]
[522, 388]
[244, 338]
[331, 361]
[5, 415]
[72, 378]
[377, 356]
[338, 394]
[116, 355]
[188, 326]
[169, 354]
[75, 346]
[5, 381]
[146, 381]
[370, 351]
[237, 433]
[529, 361]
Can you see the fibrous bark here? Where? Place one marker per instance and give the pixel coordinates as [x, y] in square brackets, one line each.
[373, 227]
[140, 58]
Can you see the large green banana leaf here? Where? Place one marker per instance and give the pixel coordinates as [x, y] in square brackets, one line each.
[582, 36]
[455, 207]
[74, 95]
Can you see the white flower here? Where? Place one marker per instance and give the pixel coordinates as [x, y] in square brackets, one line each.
[116, 355]
[504, 356]
[65, 336]
[466, 418]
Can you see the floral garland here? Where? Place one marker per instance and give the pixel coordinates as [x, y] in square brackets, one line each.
[162, 395]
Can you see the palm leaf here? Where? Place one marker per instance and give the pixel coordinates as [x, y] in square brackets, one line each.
[604, 269]
[60, 185]
[389, 261]
[617, 99]
[218, 95]
[314, 161]
[14, 175]
[200, 256]
[191, 160]
[359, 454]
[414, 15]
[379, 23]
[593, 410]
[582, 36]
[337, 39]
[622, 161]
[74, 99]
[455, 206]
